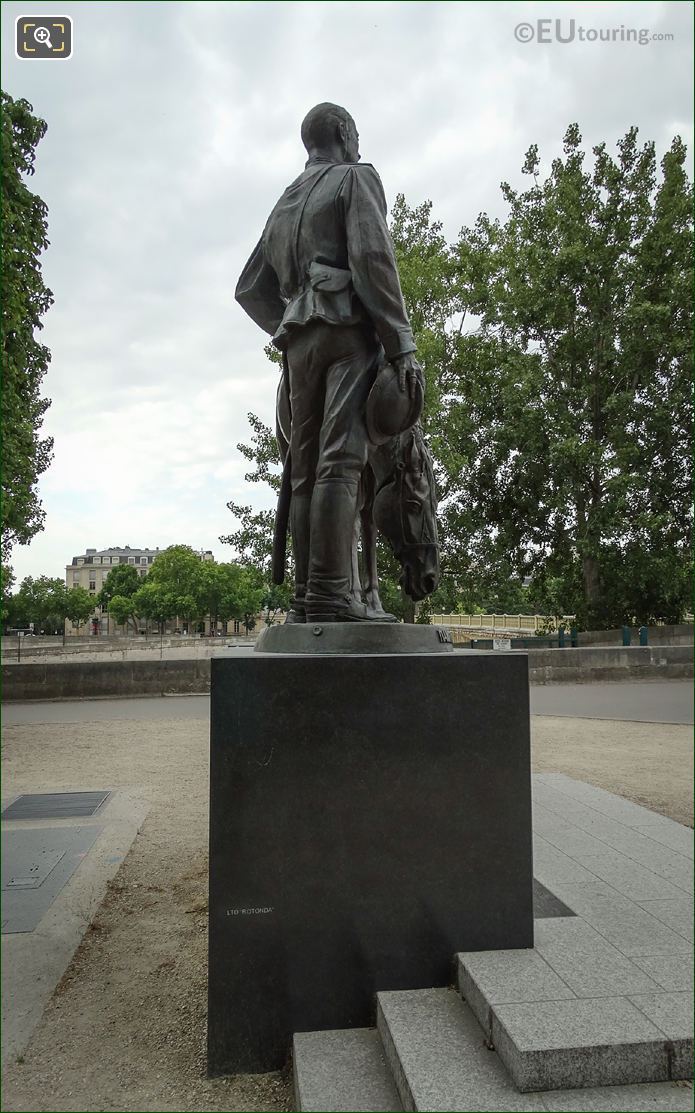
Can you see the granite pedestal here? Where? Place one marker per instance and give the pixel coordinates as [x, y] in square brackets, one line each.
[370, 817]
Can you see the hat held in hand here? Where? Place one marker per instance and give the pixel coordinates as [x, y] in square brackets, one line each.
[390, 410]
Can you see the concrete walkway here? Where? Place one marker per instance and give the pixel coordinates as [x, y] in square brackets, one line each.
[642, 701]
[55, 873]
[646, 701]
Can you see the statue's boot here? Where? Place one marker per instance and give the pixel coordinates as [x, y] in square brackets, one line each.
[300, 520]
[329, 597]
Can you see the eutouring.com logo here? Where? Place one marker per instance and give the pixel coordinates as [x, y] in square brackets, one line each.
[42, 37]
[569, 31]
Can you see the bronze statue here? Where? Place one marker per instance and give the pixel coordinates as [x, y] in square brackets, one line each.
[323, 282]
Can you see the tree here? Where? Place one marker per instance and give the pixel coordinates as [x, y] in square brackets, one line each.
[570, 409]
[122, 582]
[276, 599]
[218, 591]
[25, 300]
[123, 579]
[79, 604]
[175, 582]
[125, 609]
[8, 578]
[41, 603]
[252, 588]
[253, 540]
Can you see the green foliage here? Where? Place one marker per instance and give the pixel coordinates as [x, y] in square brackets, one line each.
[426, 265]
[253, 589]
[174, 584]
[123, 579]
[8, 578]
[276, 599]
[229, 591]
[79, 604]
[25, 300]
[181, 585]
[572, 411]
[124, 609]
[41, 602]
[253, 539]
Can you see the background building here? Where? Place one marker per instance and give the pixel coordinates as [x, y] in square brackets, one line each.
[91, 569]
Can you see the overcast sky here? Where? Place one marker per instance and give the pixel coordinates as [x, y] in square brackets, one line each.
[172, 131]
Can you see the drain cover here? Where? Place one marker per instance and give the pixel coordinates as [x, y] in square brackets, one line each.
[33, 872]
[36, 864]
[54, 805]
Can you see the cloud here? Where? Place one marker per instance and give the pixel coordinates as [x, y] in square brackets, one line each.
[172, 131]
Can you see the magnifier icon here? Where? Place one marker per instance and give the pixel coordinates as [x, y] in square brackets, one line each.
[43, 36]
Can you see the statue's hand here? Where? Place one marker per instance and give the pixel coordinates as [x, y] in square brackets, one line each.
[409, 371]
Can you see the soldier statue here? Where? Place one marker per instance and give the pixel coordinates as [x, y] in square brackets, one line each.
[323, 281]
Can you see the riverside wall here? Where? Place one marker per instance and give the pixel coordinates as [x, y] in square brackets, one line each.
[77, 679]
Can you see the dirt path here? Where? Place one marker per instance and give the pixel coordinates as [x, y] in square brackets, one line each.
[125, 1030]
[649, 763]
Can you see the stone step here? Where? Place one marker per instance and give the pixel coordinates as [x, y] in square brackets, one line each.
[439, 1056]
[574, 1012]
[342, 1071]
[441, 1061]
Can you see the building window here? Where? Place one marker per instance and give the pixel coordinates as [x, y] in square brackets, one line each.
[131, 560]
[92, 585]
[143, 560]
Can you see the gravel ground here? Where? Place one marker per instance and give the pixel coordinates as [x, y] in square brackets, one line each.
[125, 1029]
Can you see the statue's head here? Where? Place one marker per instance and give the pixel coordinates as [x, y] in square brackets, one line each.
[329, 131]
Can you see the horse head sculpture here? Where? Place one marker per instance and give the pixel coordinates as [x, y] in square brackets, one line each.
[405, 509]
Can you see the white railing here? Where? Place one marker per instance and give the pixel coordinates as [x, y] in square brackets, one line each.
[519, 622]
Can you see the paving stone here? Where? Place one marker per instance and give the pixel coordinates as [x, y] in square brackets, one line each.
[575, 842]
[565, 807]
[655, 1097]
[602, 814]
[587, 962]
[629, 877]
[553, 868]
[605, 834]
[562, 1044]
[676, 914]
[628, 926]
[679, 838]
[671, 972]
[679, 871]
[342, 1071]
[439, 1056]
[632, 815]
[487, 978]
[672, 1013]
[546, 822]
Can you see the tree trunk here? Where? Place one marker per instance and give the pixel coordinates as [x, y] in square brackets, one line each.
[591, 574]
